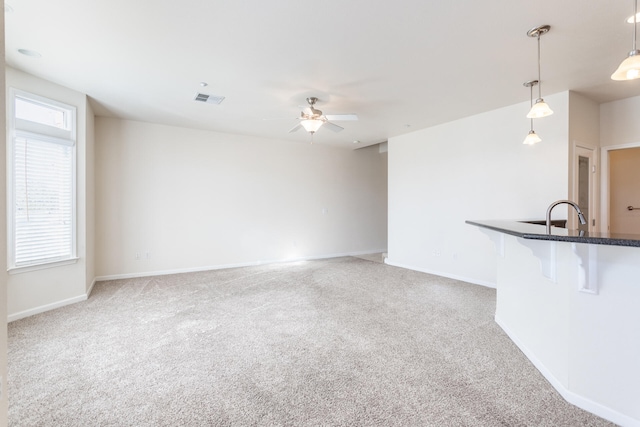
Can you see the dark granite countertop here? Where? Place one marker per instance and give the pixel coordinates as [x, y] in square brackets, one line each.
[539, 232]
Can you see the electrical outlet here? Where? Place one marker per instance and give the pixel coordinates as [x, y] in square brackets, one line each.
[138, 255]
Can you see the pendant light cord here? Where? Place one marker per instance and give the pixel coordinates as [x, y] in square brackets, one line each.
[531, 101]
[635, 23]
[539, 79]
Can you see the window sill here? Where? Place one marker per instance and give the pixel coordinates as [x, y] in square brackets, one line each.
[29, 268]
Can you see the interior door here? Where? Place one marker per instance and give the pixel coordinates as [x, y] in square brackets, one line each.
[624, 191]
[585, 186]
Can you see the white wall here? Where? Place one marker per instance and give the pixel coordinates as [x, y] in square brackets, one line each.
[473, 168]
[619, 124]
[186, 199]
[36, 291]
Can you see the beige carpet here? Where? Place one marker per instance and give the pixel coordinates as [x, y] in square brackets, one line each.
[340, 342]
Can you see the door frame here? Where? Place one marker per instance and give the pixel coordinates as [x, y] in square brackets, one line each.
[604, 182]
[580, 150]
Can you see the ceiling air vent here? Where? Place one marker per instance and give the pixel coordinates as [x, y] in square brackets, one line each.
[209, 99]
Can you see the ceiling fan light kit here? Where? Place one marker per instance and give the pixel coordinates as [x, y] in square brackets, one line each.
[629, 69]
[312, 119]
[311, 125]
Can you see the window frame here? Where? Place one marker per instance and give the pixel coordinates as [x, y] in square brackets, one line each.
[21, 128]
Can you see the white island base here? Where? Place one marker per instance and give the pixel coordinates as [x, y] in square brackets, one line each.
[574, 311]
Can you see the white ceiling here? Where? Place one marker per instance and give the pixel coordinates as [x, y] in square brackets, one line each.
[400, 65]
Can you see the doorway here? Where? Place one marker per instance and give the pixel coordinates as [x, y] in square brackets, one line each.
[624, 190]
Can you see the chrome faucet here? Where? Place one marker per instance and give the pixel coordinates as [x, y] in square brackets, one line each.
[568, 202]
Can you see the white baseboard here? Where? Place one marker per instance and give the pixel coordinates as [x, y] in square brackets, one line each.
[235, 265]
[443, 274]
[568, 395]
[46, 307]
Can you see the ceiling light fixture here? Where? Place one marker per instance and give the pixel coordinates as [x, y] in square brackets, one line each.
[540, 108]
[532, 137]
[311, 125]
[312, 119]
[629, 69]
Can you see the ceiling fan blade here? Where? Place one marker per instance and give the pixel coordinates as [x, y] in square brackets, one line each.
[341, 116]
[295, 128]
[332, 126]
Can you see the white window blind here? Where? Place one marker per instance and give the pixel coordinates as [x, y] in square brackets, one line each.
[43, 194]
[41, 182]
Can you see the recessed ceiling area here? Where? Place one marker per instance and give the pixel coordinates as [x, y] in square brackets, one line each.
[391, 63]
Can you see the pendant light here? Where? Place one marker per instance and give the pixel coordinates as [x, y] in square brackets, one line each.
[540, 108]
[629, 69]
[532, 137]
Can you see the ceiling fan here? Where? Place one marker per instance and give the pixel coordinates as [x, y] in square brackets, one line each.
[311, 119]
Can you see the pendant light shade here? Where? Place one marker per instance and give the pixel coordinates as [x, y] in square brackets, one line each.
[532, 137]
[311, 125]
[540, 108]
[629, 69]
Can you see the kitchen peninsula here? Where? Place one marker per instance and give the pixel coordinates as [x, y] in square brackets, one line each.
[570, 300]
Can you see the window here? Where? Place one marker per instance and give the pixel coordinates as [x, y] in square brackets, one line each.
[41, 181]
[37, 112]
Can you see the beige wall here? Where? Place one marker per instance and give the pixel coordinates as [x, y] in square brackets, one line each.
[174, 199]
[90, 200]
[32, 292]
[3, 238]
